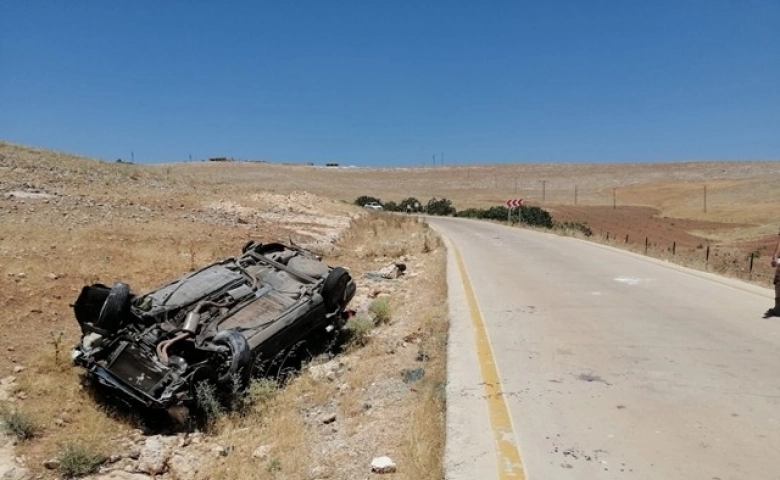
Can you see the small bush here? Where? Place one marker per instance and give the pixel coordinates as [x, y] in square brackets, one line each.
[390, 206]
[536, 216]
[262, 390]
[575, 226]
[529, 215]
[498, 212]
[439, 207]
[208, 401]
[18, 424]
[358, 328]
[380, 308]
[77, 460]
[411, 202]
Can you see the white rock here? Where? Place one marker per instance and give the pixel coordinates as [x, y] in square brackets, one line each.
[262, 452]
[389, 272]
[120, 475]
[219, 450]
[382, 465]
[18, 369]
[182, 467]
[154, 456]
[51, 464]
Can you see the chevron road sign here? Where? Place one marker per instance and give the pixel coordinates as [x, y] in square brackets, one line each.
[514, 202]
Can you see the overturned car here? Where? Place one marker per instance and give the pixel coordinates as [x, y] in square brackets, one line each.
[214, 325]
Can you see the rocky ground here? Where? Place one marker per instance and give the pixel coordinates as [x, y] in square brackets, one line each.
[66, 221]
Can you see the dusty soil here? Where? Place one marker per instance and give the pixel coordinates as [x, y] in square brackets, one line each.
[635, 224]
[67, 221]
[696, 243]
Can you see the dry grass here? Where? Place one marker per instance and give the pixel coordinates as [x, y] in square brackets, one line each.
[376, 414]
[18, 424]
[100, 223]
[423, 443]
[381, 310]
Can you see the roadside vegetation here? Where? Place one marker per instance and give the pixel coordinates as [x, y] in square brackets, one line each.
[145, 225]
[18, 424]
[341, 410]
[526, 214]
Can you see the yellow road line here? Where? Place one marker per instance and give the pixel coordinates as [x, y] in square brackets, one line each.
[510, 466]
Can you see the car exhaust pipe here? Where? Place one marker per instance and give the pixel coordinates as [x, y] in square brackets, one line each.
[191, 323]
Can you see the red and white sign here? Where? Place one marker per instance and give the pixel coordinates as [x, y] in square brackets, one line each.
[514, 202]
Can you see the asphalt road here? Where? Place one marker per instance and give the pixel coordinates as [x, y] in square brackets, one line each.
[611, 364]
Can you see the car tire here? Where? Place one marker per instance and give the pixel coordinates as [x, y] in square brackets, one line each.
[334, 290]
[241, 357]
[115, 307]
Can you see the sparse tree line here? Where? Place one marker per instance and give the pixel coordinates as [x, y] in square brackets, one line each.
[529, 215]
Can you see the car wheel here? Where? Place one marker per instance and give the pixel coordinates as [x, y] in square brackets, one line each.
[114, 308]
[240, 357]
[334, 290]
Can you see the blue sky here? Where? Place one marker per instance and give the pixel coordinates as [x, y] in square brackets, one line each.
[394, 83]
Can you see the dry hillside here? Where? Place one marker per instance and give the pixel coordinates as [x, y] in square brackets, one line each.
[67, 221]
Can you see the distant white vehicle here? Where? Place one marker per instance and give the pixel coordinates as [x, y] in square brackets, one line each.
[373, 206]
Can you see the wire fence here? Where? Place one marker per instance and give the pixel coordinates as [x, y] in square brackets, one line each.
[547, 194]
[749, 265]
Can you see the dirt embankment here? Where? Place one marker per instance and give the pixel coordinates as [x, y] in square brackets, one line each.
[66, 221]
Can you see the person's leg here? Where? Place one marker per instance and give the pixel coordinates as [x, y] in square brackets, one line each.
[777, 291]
[775, 311]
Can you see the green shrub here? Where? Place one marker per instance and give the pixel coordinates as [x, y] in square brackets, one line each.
[207, 399]
[439, 207]
[529, 215]
[358, 328]
[469, 213]
[536, 216]
[381, 310]
[18, 424]
[77, 460]
[413, 203]
[391, 206]
[498, 212]
[262, 390]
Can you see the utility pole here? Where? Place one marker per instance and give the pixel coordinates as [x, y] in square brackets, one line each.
[705, 198]
[434, 159]
[544, 192]
[515, 185]
[575, 195]
[132, 156]
[614, 199]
